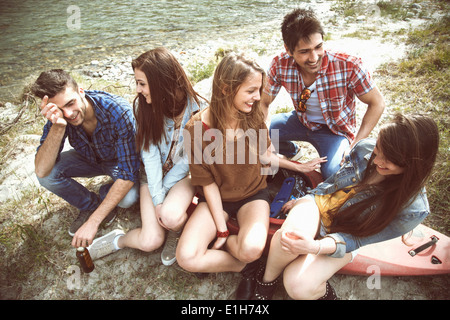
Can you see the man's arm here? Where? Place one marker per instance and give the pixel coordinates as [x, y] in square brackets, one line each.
[86, 233]
[375, 107]
[48, 152]
[128, 164]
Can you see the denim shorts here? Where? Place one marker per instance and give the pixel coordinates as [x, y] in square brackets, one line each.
[232, 208]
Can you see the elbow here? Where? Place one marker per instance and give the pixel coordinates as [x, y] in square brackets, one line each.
[382, 106]
[41, 173]
[40, 170]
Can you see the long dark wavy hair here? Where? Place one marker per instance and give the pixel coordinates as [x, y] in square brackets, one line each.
[170, 90]
[411, 142]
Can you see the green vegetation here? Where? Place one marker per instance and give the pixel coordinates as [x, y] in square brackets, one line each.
[420, 83]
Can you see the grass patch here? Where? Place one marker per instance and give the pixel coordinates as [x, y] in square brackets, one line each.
[419, 83]
[200, 70]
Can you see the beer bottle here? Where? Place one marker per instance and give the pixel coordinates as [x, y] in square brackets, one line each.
[85, 259]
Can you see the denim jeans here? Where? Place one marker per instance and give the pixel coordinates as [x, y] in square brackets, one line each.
[70, 165]
[324, 140]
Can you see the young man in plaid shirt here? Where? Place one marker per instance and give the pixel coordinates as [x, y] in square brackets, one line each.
[323, 86]
[101, 129]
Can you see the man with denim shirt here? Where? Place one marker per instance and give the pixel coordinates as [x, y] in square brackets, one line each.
[101, 129]
[323, 86]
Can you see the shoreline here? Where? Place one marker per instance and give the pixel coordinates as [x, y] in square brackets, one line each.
[266, 43]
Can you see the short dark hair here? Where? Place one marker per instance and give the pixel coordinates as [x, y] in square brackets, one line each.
[52, 82]
[299, 24]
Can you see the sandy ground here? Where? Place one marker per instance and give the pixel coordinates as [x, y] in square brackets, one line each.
[131, 274]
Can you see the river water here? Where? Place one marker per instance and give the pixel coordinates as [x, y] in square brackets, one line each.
[38, 35]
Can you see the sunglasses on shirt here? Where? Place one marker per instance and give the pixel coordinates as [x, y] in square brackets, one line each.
[304, 96]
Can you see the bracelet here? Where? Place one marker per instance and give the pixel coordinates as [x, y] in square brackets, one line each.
[320, 248]
[223, 234]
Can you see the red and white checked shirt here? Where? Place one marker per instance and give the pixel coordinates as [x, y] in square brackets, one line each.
[340, 79]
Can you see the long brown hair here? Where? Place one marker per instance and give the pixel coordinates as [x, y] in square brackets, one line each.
[410, 142]
[170, 90]
[230, 74]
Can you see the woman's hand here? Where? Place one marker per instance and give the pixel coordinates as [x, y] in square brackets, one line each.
[219, 243]
[288, 206]
[297, 243]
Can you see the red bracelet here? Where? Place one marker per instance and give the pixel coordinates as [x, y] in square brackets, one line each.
[223, 234]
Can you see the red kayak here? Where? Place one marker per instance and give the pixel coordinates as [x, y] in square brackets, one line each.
[426, 252]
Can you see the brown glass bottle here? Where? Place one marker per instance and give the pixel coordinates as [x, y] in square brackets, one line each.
[85, 259]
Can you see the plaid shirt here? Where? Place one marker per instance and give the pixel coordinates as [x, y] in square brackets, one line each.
[113, 138]
[340, 78]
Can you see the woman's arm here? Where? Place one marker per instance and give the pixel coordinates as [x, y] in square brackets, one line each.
[153, 168]
[298, 243]
[214, 201]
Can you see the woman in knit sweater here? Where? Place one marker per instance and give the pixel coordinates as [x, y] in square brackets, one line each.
[230, 158]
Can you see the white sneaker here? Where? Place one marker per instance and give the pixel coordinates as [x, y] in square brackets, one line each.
[168, 255]
[104, 245]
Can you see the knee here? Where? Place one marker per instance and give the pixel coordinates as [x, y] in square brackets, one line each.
[187, 259]
[278, 120]
[49, 181]
[249, 254]
[172, 219]
[43, 181]
[130, 198]
[151, 244]
[301, 289]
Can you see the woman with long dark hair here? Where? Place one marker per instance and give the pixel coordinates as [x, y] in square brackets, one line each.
[378, 194]
[164, 103]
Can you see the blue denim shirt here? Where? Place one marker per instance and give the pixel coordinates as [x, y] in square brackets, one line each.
[156, 156]
[351, 173]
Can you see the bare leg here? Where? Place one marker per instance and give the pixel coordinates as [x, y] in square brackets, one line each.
[248, 245]
[306, 277]
[304, 216]
[173, 214]
[192, 251]
[151, 235]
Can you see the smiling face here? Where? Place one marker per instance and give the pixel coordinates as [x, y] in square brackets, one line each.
[309, 54]
[248, 93]
[71, 103]
[142, 86]
[384, 166]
